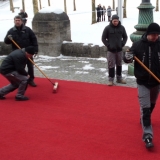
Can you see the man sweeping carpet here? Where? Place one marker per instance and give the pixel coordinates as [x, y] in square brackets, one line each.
[147, 50]
[13, 69]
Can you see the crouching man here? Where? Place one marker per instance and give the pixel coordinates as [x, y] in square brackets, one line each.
[13, 69]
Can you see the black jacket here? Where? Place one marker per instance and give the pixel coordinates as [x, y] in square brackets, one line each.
[23, 36]
[98, 11]
[140, 49]
[15, 61]
[114, 37]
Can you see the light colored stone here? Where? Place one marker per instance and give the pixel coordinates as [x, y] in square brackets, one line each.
[51, 29]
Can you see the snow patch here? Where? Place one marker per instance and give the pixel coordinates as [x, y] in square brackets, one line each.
[88, 67]
[51, 9]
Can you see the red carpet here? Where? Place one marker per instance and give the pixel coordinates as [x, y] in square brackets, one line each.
[82, 121]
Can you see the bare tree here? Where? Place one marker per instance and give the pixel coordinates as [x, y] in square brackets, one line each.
[124, 9]
[74, 5]
[35, 6]
[40, 6]
[65, 6]
[93, 12]
[113, 7]
[11, 5]
[49, 4]
[157, 5]
[23, 5]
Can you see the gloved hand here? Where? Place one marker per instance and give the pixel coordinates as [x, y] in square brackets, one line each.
[129, 55]
[35, 55]
[10, 36]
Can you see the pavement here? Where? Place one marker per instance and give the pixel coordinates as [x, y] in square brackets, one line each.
[83, 69]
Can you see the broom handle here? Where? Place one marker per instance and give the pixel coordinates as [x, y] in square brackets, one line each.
[31, 61]
[146, 68]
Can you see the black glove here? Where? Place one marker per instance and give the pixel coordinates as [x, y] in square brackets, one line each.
[35, 54]
[10, 36]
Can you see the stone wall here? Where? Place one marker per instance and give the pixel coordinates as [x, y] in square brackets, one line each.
[83, 50]
[70, 49]
[5, 49]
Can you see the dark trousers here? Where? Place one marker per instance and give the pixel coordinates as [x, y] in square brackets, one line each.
[109, 18]
[30, 70]
[98, 18]
[16, 81]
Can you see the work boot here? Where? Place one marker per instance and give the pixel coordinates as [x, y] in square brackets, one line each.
[31, 83]
[110, 83]
[2, 97]
[121, 81]
[149, 143]
[23, 98]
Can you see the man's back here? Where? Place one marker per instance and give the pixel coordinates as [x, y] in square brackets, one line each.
[15, 61]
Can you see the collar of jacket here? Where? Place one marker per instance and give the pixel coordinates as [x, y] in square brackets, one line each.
[22, 28]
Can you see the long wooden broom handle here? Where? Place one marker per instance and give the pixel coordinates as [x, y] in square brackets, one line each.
[146, 68]
[31, 60]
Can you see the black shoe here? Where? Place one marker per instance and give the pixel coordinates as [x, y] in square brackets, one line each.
[149, 143]
[2, 97]
[31, 83]
[21, 98]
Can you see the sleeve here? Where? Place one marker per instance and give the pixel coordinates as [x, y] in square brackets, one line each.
[6, 39]
[33, 40]
[125, 37]
[105, 36]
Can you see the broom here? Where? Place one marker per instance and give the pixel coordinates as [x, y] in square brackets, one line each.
[55, 85]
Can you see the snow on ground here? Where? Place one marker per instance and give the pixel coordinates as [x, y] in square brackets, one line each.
[81, 28]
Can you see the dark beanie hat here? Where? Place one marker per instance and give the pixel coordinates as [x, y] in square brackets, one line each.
[115, 17]
[153, 28]
[30, 50]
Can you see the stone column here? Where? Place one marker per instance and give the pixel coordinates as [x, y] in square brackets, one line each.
[51, 29]
[144, 19]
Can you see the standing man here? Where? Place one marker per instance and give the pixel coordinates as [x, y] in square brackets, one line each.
[114, 37]
[24, 37]
[13, 69]
[24, 15]
[147, 50]
[98, 13]
[109, 13]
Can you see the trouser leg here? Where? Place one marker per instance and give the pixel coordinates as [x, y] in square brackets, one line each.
[30, 70]
[111, 59]
[23, 83]
[14, 83]
[119, 57]
[154, 97]
[109, 18]
[17, 81]
[145, 96]
[97, 19]
[152, 107]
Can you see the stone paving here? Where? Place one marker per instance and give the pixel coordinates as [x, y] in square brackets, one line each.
[92, 70]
